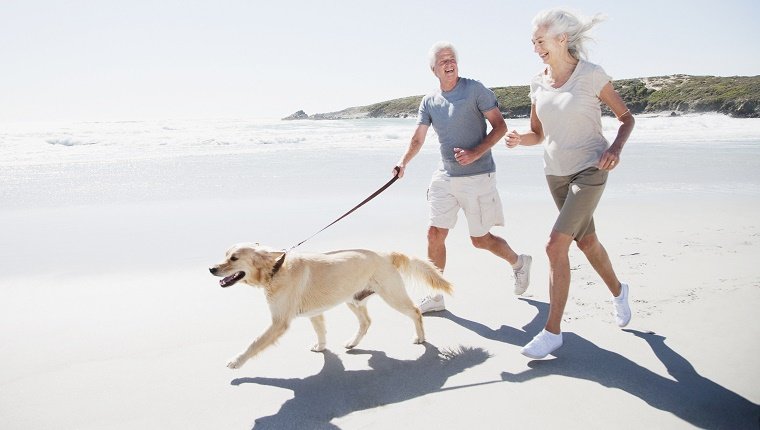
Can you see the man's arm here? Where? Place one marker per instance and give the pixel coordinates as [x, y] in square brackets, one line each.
[418, 138]
[498, 130]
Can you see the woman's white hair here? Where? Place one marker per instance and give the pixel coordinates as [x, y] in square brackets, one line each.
[560, 21]
[438, 47]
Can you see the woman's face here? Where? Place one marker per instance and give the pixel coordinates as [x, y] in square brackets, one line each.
[546, 45]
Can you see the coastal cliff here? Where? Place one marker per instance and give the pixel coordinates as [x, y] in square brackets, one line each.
[736, 96]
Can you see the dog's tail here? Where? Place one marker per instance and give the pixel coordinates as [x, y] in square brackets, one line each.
[421, 270]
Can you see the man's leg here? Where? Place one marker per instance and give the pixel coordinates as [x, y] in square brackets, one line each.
[437, 255]
[520, 263]
[437, 246]
[497, 246]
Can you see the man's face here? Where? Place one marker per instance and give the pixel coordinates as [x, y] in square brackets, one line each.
[446, 65]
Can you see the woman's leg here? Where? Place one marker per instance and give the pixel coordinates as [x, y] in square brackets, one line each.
[559, 278]
[600, 261]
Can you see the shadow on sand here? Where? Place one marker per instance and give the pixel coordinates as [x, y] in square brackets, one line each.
[335, 392]
[691, 397]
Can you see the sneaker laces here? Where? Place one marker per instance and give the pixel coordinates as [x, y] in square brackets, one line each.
[520, 274]
[619, 307]
[521, 279]
[620, 301]
[541, 340]
[622, 308]
[427, 300]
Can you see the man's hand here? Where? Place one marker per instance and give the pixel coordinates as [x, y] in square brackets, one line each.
[464, 156]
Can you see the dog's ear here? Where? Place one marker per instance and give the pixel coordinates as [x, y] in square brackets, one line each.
[265, 258]
[273, 257]
[264, 263]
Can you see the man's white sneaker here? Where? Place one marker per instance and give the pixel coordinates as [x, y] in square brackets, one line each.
[522, 276]
[542, 345]
[621, 308]
[432, 303]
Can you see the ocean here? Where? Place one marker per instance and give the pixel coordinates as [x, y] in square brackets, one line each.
[82, 163]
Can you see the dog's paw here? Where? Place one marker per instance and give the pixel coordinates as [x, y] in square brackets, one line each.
[235, 363]
[319, 347]
[351, 344]
[419, 340]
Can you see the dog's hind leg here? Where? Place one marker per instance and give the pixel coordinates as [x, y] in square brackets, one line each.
[266, 339]
[318, 322]
[394, 293]
[360, 310]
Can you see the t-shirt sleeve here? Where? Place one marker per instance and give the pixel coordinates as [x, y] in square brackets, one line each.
[532, 91]
[423, 116]
[599, 79]
[486, 98]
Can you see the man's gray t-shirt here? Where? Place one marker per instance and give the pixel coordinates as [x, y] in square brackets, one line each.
[457, 117]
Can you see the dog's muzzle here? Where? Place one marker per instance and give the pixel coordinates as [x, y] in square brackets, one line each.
[228, 280]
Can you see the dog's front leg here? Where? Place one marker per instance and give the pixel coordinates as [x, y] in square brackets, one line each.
[318, 322]
[267, 338]
[360, 310]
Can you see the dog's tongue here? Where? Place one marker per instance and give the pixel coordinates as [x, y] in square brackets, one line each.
[229, 280]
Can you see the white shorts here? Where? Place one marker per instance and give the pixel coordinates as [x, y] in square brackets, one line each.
[476, 195]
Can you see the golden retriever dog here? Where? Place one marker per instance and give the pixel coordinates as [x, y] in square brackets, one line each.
[309, 284]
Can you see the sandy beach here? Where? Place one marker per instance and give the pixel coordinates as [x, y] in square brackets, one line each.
[110, 319]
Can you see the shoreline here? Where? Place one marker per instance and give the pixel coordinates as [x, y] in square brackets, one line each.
[340, 116]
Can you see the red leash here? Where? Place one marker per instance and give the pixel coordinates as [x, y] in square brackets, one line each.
[281, 260]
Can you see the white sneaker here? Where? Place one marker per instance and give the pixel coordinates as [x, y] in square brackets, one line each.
[522, 276]
[621, 309]
[542, 345]
[432, 303]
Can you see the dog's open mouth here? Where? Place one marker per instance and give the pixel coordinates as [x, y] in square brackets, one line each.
[230, 280]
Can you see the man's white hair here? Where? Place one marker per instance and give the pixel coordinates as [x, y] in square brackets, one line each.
[438, 47]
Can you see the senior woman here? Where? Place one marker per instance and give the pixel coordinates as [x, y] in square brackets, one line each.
[566, 116]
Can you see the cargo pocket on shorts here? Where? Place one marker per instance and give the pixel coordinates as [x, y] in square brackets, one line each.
[490, 209]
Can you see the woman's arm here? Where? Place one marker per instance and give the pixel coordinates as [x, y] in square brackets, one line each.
[611, 157]
[533, 137]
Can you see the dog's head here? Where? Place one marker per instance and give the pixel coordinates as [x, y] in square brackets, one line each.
[250, 263]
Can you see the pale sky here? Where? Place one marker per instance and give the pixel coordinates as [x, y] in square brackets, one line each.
[154, 59]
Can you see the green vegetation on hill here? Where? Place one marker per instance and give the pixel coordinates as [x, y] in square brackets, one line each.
[737, 96]
[513, 101]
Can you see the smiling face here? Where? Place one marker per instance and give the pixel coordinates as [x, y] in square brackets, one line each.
[446, 68]
[551, 48]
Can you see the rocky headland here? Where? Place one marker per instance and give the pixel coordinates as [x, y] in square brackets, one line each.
[736, 96]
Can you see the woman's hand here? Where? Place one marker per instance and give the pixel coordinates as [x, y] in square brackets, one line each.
[512, 139]
[610, 159]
